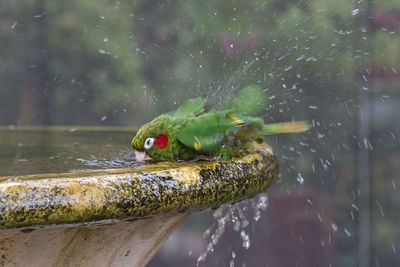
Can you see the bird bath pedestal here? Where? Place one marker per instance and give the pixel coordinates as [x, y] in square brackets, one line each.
[117, 217]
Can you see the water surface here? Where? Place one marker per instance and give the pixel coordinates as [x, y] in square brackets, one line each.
[47, 151]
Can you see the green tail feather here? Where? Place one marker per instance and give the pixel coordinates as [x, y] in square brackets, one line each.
[285, 127]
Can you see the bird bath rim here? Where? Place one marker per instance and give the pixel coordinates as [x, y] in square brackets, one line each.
[109, 195]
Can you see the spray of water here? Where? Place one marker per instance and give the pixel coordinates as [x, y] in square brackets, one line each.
[234, 216]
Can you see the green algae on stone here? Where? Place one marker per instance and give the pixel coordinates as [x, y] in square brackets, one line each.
[113, 194]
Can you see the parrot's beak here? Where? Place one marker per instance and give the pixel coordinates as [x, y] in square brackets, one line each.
[141, 156]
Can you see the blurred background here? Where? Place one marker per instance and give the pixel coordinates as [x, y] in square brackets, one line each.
[333, 63]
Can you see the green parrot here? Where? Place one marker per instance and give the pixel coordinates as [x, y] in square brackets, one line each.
[190, 133]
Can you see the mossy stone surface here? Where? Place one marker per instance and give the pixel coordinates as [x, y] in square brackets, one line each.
[132, 193]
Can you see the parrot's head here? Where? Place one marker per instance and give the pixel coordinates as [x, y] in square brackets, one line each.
[153, 141]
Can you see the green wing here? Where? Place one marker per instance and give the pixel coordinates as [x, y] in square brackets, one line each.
[249, 101]
[206, 132]
[191, 107]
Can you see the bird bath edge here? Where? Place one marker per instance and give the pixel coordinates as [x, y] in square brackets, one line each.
[118, 217]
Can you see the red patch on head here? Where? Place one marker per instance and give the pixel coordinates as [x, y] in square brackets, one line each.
[161, 141]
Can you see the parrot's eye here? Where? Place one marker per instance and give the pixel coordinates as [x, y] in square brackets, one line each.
[148, 143]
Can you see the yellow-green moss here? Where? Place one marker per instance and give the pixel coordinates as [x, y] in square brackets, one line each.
[83, 197]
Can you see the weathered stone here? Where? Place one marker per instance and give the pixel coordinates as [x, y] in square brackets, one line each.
[117, 217]
[84, 197]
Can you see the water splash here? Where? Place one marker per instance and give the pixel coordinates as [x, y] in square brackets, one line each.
[260, 206]
[245, 239]
[235, 216]
[122, 159]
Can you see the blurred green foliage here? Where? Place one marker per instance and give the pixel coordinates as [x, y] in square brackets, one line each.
[122, 62]
[123, 59]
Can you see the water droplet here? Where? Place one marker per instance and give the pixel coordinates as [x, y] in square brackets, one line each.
[347, 232]
[355, 12]
[288, 68]
[101, 51]
[201, 258]
[300, 178]
[354, 207]
[245, 239]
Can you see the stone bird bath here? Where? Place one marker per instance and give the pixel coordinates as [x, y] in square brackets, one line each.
[81, 211]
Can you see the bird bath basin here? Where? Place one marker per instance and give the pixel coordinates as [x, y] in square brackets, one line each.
[76, 197]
